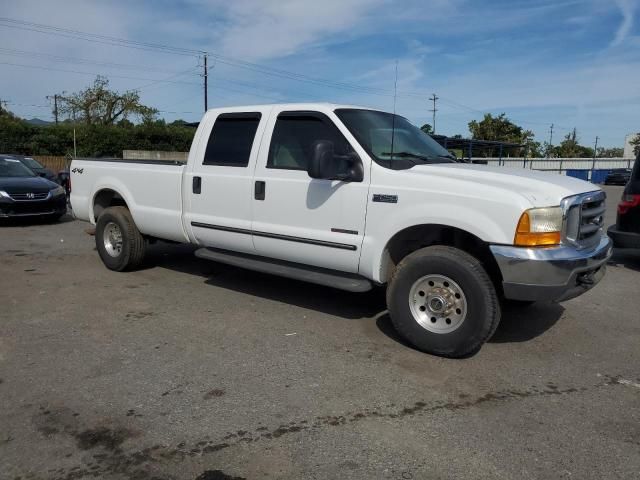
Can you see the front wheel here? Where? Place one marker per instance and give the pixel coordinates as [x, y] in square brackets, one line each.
[119, 242]
[442, 301]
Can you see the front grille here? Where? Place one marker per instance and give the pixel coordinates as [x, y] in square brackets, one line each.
[585, 218]
[591, 217]
[29, 196]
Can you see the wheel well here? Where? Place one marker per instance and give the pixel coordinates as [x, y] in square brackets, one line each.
[106, 198]
[413, 238]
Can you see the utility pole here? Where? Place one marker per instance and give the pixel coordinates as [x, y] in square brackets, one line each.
[206, 84]
[595, 153]
[433, 98]
[550, 141]
[55, 106]
[2, 102]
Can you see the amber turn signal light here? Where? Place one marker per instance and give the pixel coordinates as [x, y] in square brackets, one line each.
[539, 227]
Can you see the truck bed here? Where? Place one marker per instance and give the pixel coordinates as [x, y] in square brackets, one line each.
[151, 188]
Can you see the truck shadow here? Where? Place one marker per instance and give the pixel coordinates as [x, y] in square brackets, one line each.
[626, 257]
[518, 324]
[313, 297]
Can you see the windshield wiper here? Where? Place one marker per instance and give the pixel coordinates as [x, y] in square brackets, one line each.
[424, 158]
[453, 158]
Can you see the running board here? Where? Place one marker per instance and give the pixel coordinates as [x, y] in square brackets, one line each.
[297, 271]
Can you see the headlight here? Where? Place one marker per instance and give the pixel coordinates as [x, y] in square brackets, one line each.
[539, 227]
[4, 194]
[57, 191]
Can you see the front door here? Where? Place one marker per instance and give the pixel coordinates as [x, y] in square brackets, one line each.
[297, 218]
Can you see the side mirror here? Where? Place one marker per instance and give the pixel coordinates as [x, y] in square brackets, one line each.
[325, 164]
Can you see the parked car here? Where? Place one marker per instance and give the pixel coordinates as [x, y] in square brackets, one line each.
[626, 232]
[25, 194]
[351, 198]
[618, 176]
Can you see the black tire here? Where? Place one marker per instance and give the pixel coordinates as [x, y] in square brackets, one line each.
[482, 303]
[133, 244]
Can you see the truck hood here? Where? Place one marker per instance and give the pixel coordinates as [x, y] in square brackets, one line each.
[540, 188]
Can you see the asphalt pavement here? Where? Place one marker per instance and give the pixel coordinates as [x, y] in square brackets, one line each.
[188, 369]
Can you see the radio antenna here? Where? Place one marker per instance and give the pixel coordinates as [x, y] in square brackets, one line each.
[393, 119]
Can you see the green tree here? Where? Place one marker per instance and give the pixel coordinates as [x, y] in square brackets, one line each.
[15, 133]
[570, 147]
[501, 129]
[636, 144]
[427, 128]
[98, 105]
[614, 152]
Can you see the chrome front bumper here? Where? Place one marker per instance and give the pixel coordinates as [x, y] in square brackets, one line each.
[556, 273]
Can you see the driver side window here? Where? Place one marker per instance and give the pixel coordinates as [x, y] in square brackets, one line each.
[294, 136]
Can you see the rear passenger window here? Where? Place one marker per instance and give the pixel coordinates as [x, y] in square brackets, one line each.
[231, 139]
[294, 136]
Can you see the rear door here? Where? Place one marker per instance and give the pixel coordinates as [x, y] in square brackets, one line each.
[219, 181]
[297, 218]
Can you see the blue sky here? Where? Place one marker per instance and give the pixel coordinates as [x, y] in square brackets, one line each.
[571, 63]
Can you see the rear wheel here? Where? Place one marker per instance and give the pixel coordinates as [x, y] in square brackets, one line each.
[442, 301]
[119, 242]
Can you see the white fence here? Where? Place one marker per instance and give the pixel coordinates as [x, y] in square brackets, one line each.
[558, 164]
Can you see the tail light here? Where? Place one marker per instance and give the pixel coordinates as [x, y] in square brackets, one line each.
[628, 201]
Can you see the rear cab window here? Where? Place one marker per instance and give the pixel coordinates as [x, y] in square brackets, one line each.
[231, 139]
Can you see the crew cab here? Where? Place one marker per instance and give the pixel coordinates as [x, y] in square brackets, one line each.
[353, 198]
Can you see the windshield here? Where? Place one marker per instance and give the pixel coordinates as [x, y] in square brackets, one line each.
[375, 132]
[10, 167]
[31, 163]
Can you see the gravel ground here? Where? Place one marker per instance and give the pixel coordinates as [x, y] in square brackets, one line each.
[194, 370]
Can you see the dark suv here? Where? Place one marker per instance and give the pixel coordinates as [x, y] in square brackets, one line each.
[626, 232]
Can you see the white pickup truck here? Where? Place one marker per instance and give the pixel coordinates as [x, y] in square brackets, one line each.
[352, 198]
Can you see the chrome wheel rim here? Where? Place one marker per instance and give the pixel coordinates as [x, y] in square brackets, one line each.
[438, 303]
[112, 239]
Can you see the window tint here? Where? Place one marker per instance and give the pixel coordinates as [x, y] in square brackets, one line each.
[231, 139]
[294, 136]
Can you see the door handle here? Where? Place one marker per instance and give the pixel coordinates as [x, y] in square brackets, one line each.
[259, 190]
[197, 185]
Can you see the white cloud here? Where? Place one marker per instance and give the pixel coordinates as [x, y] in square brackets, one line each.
[257, 29]
[627, 9]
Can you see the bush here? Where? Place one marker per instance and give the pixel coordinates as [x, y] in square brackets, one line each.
[20, 137]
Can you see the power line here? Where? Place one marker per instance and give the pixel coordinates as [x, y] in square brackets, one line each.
[41, 67]
[83, 61]
[94, 37]
[115, 41]
[167, 79]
